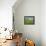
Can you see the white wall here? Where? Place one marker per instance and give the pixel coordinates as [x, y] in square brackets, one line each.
[43, 22]
[29, 8]
[6, 13]
[35, 29]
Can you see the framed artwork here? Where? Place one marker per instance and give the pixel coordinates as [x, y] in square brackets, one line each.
[29, 20]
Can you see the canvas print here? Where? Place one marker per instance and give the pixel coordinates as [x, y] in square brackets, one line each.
[29, 20]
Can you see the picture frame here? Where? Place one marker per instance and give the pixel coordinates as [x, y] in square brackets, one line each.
[29, 20]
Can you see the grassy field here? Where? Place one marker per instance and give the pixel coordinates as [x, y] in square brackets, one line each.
[28, 22]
